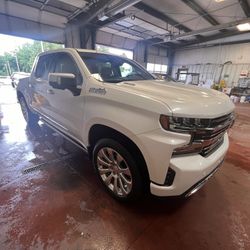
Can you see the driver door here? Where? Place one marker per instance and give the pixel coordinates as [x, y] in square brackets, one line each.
[66, 104]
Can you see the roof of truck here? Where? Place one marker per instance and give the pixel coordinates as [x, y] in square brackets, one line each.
[73, 50]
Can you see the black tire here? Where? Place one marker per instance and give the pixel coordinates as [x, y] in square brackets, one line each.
[13, 84]
[30, 117]
[136, 189]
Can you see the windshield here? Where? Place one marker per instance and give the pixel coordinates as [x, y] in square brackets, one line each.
[113, 68]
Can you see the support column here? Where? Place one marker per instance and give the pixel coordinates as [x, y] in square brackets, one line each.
[72, 36]
[140, 53]
[171, 55]
[80, 37]
[88, 37]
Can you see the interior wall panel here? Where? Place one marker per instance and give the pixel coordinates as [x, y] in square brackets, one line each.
[215, 63]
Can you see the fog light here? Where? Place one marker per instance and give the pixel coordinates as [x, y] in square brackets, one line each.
[170, 177]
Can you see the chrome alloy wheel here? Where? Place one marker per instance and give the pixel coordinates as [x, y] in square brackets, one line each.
[114, 171]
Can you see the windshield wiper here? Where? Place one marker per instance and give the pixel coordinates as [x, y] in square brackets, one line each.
[113, 80]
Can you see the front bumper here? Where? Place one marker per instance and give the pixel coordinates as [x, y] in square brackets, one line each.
[157, 147]
[200, 183]
[192, 171]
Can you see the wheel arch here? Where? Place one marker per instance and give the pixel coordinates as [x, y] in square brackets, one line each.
[19, 95]
[99, 131]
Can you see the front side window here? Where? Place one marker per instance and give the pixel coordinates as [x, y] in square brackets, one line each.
[65, 64]
[114, 69]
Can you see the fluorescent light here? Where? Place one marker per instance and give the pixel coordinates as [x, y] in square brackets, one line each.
[103, 17]
[243, 26]
[218, 1]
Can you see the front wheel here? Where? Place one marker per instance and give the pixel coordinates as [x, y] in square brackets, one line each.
[29, 117]
[117, 170]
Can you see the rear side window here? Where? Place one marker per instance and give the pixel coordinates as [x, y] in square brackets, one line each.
[43, 66]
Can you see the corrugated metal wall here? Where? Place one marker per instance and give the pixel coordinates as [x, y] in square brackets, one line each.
[229, 72]
[215, 63]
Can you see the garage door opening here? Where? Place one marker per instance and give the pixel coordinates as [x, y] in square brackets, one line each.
[17, 54]
[119, 52]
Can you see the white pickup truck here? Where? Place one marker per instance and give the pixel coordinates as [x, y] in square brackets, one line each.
[141, 133]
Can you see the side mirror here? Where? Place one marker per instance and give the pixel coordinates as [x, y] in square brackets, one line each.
[62, 80]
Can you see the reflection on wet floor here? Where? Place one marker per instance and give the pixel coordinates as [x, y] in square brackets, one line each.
[61, 204]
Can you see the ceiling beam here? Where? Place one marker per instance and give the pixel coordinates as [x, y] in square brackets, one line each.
[97, 8]
[44, 4]
[199, 38]
[213, 37]
[215, 44]
[245, 7]
[158, 14]
[111, 20]
[120, 6]
[130, 31]
[115, 12]
[212, 28]
[199, 10]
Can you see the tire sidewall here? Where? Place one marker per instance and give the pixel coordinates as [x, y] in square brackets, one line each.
[136, 190]
[24, 106]
[31, 118]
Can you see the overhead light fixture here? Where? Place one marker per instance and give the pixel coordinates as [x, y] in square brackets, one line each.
[243, 27]
[218, 1]
[102, 17]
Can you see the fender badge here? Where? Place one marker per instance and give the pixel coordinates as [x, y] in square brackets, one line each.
[99, 91]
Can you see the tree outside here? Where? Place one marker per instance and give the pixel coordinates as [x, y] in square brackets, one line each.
[23, 57]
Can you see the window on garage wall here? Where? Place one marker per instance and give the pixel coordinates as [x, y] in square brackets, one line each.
[182, 74]
[119, 52]
[157, 68]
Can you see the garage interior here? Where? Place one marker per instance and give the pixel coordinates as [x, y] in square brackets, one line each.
[50, 197]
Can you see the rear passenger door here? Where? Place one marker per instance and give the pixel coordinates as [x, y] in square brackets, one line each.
[39, 83]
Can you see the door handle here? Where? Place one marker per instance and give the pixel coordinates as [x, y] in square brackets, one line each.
[50, 91]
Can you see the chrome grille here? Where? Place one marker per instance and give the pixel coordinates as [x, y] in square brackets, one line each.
[212, 137]
[207, 135]
[216, 127]
[211, 148]
[220, 120]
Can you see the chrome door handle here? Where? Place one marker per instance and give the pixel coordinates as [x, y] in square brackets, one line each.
[50, 91]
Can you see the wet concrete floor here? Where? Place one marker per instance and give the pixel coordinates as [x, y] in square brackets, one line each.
[62, 205]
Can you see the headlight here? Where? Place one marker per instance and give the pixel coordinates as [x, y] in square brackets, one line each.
[183, 124]
[206, 134]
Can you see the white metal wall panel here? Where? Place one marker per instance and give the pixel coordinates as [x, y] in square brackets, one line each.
[230, 73]
[208, 62]
[237, 53]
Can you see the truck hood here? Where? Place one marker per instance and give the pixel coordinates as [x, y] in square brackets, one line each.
[183, 100]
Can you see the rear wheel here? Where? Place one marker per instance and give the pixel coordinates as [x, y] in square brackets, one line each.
[29, 117]
[117, 170]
